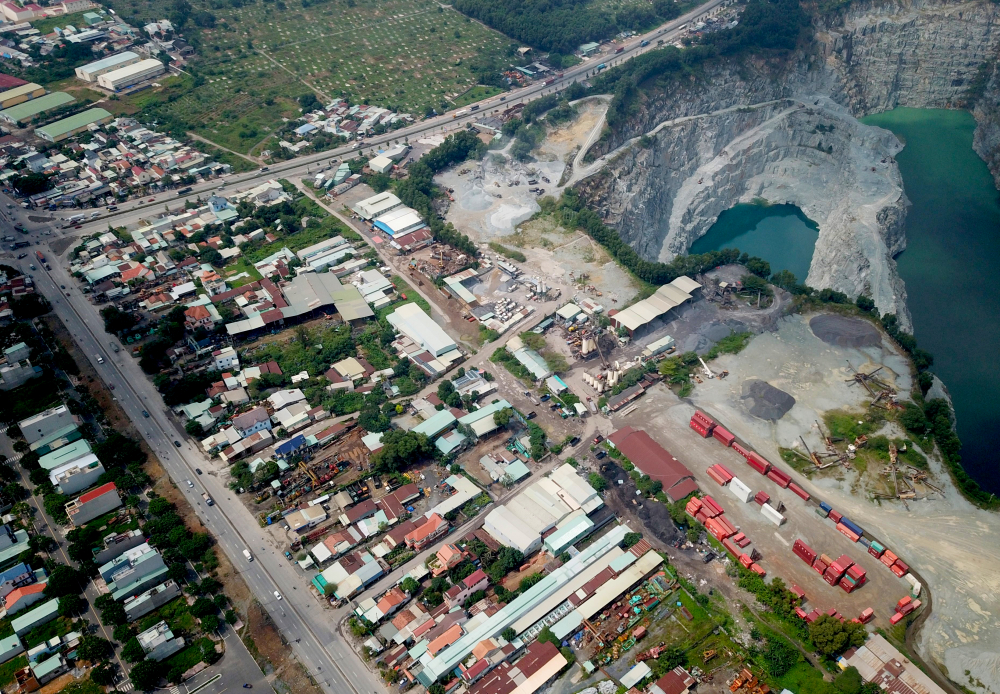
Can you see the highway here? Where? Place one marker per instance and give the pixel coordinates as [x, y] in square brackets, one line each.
[308, 625]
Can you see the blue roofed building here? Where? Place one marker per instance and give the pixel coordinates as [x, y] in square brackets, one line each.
[291, 447]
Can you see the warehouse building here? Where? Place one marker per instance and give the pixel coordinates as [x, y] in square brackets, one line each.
[651, 459]
[377, 205]
[67, 127]
[91, 71]
[400, 222]
[17, 95]
[667, 297]
[411, 320]
[24, 112]
[131, 75]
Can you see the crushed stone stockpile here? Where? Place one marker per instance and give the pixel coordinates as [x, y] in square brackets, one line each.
[845, 332]
[764, 401]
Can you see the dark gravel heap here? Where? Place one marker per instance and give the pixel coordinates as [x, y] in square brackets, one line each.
[764, 401]
[845, 332]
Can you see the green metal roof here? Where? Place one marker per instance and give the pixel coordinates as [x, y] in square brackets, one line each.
[27, 110]
[45, 612]
[436, 424]
[482, 412]
[65, 454]
[66, 125]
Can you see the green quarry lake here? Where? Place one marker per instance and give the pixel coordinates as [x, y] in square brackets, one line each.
[780, 234]
[950, 263]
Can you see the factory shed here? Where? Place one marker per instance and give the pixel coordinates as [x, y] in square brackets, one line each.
[24, 112]
[653, 460]
[667, 297]
[61, 129]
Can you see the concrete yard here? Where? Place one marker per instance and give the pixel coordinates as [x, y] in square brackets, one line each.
[950, 543]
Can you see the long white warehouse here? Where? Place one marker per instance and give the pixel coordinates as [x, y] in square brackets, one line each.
[91, 71]
[410, 320]
[130, 75]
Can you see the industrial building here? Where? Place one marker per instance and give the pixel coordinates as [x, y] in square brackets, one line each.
[20, 94]
[91, 71]
[376, 205]
[67, 127]
[43, 614]
[131, 75]
[562, 501]
[651, 459]
[24, 112]
[411, 320]
[544, 602]
[667, 297]
[400, 221]
[879, 662]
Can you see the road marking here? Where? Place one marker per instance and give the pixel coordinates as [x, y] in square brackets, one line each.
[125, 686]
[786, 543]
[176, 690]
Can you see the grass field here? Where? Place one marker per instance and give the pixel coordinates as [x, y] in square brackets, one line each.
[45, 26]
[259, 57]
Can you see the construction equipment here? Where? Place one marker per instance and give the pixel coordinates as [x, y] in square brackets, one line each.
[878, 389]
[652, 654]
[312, 475]
[708, 655]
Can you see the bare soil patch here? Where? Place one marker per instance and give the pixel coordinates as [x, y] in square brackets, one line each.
[843, 331]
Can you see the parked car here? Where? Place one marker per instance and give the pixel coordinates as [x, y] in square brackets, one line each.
[198, 470]
[600, 454]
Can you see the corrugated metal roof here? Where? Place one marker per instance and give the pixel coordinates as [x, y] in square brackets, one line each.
[80, 120]
[24, 111]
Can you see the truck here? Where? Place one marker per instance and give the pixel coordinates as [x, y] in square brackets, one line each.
[458, 114]
[20, 244]
[474, 108]
[207, 498]
[620, 49]
[246, 553]
[114, 346]
[550, 80]
[74, 219]
[184, 191]
[41, 258]
[601, 66]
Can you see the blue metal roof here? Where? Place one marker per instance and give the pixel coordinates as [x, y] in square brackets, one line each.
[291, 446]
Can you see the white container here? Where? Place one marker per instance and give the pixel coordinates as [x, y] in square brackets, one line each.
[772, 515]
[740, 490]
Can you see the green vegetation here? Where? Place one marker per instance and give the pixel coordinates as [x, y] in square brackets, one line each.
[561, 26]
[8, 669]
[517, 369]
[731, 344]
[508, 252]
[260, 62]
[400, 449]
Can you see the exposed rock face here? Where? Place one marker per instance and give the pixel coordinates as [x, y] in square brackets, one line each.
[788, 134]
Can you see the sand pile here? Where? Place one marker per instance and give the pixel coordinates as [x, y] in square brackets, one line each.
[844, 332]
[764, 401]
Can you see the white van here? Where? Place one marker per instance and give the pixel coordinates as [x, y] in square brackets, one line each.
[246, 553]
[100, 359]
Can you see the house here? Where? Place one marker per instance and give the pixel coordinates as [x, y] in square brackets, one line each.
[138, 605]
[226, 359]
[421, 537]
[447, 558]
[677, 681]
[350, 574]
[457, 594]
[12, 543]
[251, 422]
[15, 577]
[10, 646]
[20, 599]
[43, 424]
[94, 503]
[304, 519]
[159, 642]
[199, 317]
[284, 398]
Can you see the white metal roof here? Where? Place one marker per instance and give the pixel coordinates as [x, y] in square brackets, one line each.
[411, 320]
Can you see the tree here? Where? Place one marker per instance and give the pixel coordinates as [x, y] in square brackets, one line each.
[41, 543]
[114, 614]
[546, 635]
[71, 606]
[833, 638]
[64, 580]
[410, 585]
[132, 651]
[202, 607]
[94, 648]
[779, 656]
[597, 482]
[146, 675]
[400, 449]
[508, 634]
[631, 539]
[158, 506]
[177, 572]
[210, 624]
[849, 681]
[502, 417]
[104, 674]
[194, 428]
[123, 632]
[31, 183]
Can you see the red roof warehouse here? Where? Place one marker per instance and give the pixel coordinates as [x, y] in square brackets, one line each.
[652, 459]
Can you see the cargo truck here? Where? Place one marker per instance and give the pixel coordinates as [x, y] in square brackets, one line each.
[41, 258]
[620, 49]
[207, 498]
[246, 553]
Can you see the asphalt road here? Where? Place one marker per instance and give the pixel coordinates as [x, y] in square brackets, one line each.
[307, 624]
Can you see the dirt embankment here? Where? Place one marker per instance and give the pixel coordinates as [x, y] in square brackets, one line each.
[651, 518]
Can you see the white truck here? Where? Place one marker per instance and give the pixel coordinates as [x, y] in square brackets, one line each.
[246, 553]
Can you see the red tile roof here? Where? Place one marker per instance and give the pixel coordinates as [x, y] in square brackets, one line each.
[99, 492]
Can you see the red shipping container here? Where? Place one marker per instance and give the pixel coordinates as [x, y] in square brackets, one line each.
[866, 616]
[741, 450]
[875, 552]
[724, 471]
[738, 537]
[779, 479]
[835, 516]
[759, 464]
[888, 558]
[800, 613]
[701, 517]
[907, 609]
[716, 477]
[832, 580]
[896, 569]
[730, 547]
[819, 567]
[847, 585]
[804, 551]
[758, 569]
[833, 571]
[799, 593]
[712, 506]
[903, 602]
[703, 419]
[895, 619]
[723, 436]
[761, 498]
[746, 561]
[813, 616]
[702, 431]
[856, 572]
[730, 528]
[845, 561]
[799, 491]
[744, 542]
[903, 565]
[847, 532]
[696, 501]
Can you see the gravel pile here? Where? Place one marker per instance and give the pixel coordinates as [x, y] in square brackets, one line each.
[845, 332]
[764, 401]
